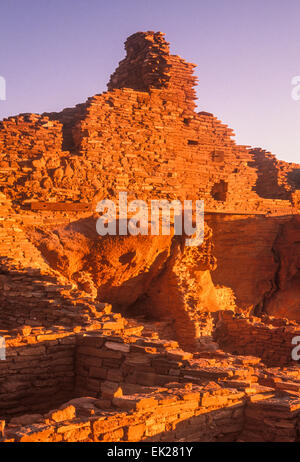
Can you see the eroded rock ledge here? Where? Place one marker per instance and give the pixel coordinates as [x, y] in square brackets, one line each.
[129, 338]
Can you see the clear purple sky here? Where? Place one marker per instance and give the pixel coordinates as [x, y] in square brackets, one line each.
[56, 53]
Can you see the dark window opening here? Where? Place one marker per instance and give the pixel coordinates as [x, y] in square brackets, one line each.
[218, 156]
[294, 178]
[219, 191]
[193, 143]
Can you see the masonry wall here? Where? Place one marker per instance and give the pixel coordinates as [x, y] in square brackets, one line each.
[142, 136]
[145, 137]
[268, 338]
[107, 406]
[130, 388]
[186, 414]
[103, 365]
[38, 372]
[276, 179]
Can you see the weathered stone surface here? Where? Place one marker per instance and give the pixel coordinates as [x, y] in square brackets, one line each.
[178, 368]
[285, 300]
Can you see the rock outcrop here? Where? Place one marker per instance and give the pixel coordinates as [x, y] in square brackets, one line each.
[117, 331]
[285, 301]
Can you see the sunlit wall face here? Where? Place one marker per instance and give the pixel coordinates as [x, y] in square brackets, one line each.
[56, 54]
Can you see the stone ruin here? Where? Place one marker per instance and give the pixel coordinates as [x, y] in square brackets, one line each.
[141, 338]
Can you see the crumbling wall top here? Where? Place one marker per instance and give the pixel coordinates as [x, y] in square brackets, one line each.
[148, 64]
[145, 64]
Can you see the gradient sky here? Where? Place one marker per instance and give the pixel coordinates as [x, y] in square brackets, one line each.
[56, 53]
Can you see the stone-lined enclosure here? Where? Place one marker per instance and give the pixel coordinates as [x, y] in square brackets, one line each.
[137, 334]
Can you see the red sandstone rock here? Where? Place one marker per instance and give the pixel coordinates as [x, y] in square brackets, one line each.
[285, 301]
[131, 380]
[64, 413]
